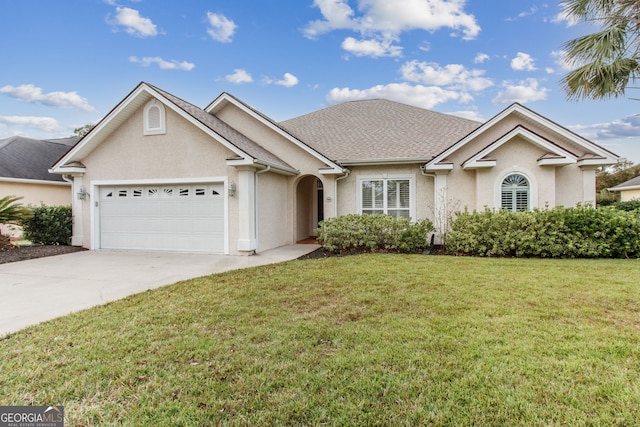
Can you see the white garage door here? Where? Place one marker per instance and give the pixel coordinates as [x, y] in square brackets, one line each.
[165, 217]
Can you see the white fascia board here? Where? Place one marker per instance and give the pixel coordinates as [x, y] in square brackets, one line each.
[597, 162]
[66, 170]
[262, 165]
[331, 171]
[556, 162]
[631, 187]
[438, 167]
[475, 161]
[34, 181]
[478, 164]
[227, 98]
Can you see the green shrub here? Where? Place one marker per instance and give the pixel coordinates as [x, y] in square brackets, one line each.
[580, 232]
[50, 225]
[374, 233]
[629, 205]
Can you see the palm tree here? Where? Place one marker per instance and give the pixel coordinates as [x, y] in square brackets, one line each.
[12, 212]
[606, 61]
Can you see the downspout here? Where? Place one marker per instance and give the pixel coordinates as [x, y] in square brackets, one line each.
[256, 204]
[335, 192]
[438, 226]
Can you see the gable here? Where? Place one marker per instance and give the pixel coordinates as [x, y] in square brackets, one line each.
[272, 136]
[562, 145]
[238, 144]
[550, 154]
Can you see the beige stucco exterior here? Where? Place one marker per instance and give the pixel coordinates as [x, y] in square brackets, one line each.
[34, 193]
[631, 194]
[37, 193]
[280, 199]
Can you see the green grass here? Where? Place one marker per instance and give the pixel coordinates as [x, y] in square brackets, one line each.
[393, 340]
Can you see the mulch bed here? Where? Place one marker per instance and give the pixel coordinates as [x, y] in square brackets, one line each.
[21, 253]
[324, 253]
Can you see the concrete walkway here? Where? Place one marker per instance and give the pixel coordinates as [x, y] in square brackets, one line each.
[41, 289]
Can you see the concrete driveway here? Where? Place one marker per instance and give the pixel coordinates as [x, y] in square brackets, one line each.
[41, 289]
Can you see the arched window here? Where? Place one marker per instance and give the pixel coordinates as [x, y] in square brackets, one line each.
[515, 193]
[154, 118]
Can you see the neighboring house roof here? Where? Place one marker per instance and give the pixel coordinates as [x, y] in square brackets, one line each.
[632, 184]
[24, 158]
[379, 131]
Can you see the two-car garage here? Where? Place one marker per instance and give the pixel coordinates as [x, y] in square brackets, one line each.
[173, 217]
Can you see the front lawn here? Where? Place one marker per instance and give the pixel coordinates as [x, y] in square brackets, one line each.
[392, 340]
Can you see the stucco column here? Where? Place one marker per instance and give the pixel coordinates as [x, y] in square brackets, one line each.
[440, 220]
[589, 185]
[77, 203]
[246, 194]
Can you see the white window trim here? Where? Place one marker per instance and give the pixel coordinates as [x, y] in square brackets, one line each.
[385, 177]
[533, 187]
[163, 126]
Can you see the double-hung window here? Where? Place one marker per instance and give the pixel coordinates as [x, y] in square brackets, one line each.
[391, 196]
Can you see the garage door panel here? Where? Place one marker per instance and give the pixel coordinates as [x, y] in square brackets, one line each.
[171, 217]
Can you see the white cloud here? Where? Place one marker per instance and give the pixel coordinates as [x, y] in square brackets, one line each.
[560, 58]
[424, 46]
[385, 20]
[468, 114]
[46, 124]
[289, 80]
[163, 64]
[33, 94]
[337, 15]
[480, 58]
[621, 128]
[373, 48]
[532, 11]
[418, 95]
[566, 19]
[220, 28]
[523, 62]
[452, 76]
[133, 23]
[524, 91]
[239, 76]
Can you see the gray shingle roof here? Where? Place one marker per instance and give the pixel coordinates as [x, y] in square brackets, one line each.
[26, 158]
[633, 182]
[236, 138]
[378, 129]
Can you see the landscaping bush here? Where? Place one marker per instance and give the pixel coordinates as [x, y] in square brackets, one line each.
[630, 205]
[374, 233]
[580, 232]
[50, 225]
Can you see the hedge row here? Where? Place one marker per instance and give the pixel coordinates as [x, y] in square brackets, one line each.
[580, 232]
[374, 233]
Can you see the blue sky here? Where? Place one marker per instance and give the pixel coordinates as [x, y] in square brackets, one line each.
[67, 63]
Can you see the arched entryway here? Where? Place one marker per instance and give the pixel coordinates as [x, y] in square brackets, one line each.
[309, 207]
